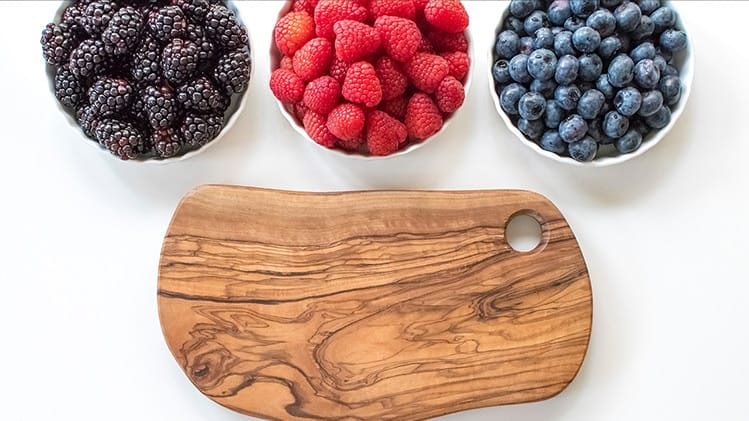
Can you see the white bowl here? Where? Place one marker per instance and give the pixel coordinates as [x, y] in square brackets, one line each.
[230, 116]
[683, 60]
[275, 60]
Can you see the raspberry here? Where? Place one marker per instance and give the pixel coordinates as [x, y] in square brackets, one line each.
[328, 12]
[314, 124]
[459, 64]
[449, 95]
[286, 63]
[299, 110]
[423, 118]
[446, 42]
[322, 95]
[384, 133]
[426, 71]
[447, 15]
[338, 70]
[168, 23]
[395, 107]
[426, 46]
[361, 85]
[292, 31]
[419, 5]
[354, 145]
[400, 37]
[400, 8]
[313, 59]
[179, 60]
[286, 86]
[346, 121]
[354, 40]
[304, 6]
[394, 83]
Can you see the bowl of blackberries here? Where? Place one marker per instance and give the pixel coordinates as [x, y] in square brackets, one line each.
[591, 82]
[149, 80]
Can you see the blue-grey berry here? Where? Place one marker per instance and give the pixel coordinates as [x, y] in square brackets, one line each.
[640, 126]
[544, 87]
[584, 150]
[519, 69]
[590, 104]
[594, 129]
[663, 18]
[621, 71]
[554, 114]
[532, 129]
[535, 21]
[627, 16]
[649, 6]
[567, 70]
[644, 29]
[573, 23]
[661, 63]
[542, 64]
[610, 4]
[501, 72]
[615, 125]
[526, 45]
[591, 67]
[559, 11]
[573, 128]
[651, 103]
[583, 8]
[628, 101]
[510, 96]
[543, 38]
[630, 142]
[660, 119]
[610, 46]
[646, 50]
[646, 74]
[563, 44]
[552, 142]
[602, 21]
[567, 96]
[603, 85]
[532, 106]
[673, 40]
[514, 24]
[586, 39]
[522, 8]
[507, 45]
[670, 71]
[670, 87]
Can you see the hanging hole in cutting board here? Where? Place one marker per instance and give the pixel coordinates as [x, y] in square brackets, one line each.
[523, 233]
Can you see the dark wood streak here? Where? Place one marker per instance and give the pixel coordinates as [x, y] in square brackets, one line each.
[370, 305]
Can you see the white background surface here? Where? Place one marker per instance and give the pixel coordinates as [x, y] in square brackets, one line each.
[664, 237]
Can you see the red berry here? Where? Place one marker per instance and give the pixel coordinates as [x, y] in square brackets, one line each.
[300, 111]
[450, 95]
[420, 5]
[395, 107]
[426, 46]
[401, 8]
[328, 12]
[423, 118]
[315, 125]
[400, 37]
[286, 86]
[292, 31]
[446, 42]
[394, 83]
[426, 71]
[361, 85]
[353, 145]
[322, 94]
[338, 70]
[286, 63]
[313, 59]
[354, 40]
[459, 64]
[384, 133]
[346, 121]
[304, 6]
[447, 15]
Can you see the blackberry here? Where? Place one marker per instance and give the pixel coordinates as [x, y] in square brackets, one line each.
[195, 10]
[196, 34]
[166, 142]
[202, 96]
[75, 19]
[160, 107]
[89, 59]
[146, 69]
[68, 88]
[232, 71]
[123, 31]
[58, 40]
[168, 23]
[98, 14]
[121, 138]
[110, 96]
[88, 119]
[222, 27]
[179, 60]
[197, 130]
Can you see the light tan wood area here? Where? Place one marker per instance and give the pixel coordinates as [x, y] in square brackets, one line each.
[398, 305]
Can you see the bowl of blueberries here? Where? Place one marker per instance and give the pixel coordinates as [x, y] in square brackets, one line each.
[591, 82]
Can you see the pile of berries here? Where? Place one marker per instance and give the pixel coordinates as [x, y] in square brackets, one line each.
[148, 78]
[371, 76]
[580, 76]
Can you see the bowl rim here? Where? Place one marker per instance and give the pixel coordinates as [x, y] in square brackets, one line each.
[686, 75]
[235, 109]
[274, 62]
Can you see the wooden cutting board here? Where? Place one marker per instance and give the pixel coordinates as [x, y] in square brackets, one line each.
[397, 305]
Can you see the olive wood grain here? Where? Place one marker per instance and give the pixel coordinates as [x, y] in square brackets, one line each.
[397, 305]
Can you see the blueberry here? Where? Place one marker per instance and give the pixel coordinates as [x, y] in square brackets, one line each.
[646, 74]
[532, 129]
[594, 130]
[591, 67]
[573, 128]
[526, 45]
[532, 106]
[621, 71]
[559, 11]
[513, 24]
[628, 16]
[542, 64]
[510, 97]
[586, 39]
[584, 150]
[640, 126]
[673, 40]
[563, 44]
[670, 87]
[567, 96]
[644, 29]
[603, 85]
[535, 21]
[519, 69]
[609, 47]
[556, 29]
[625, 40]
[574, 23]
[667, 55]
[646, 50]
[615, 125]
[590, 104]
[630, 142]
[660, 62]
[649, 6]
[543, 38]
[554, 114]
[501, 72]
[522, 8]
[583, 8]
[567, 70]
[507, 45]
[651, 103]
[544, 87]
[628, 101]
[552, 142]
[660, 119]
[610, 3]
[663, 18]
[670, 71]
[602, 21]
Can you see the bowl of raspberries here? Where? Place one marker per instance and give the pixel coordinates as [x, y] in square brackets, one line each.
[591, 82]
[370, 78]
[149, 80]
